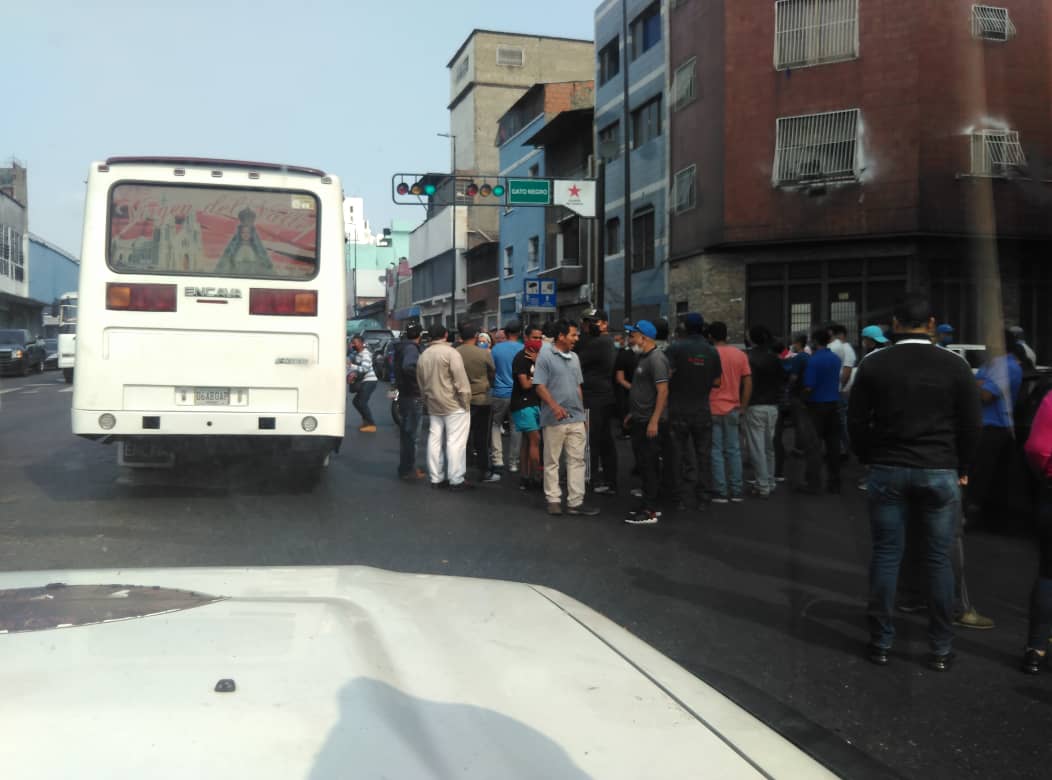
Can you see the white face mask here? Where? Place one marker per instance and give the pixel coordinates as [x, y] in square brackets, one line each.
[637, 349]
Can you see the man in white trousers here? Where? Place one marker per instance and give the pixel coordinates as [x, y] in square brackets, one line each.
[446, 391]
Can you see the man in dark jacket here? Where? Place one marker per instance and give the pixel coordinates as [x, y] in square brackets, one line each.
[409, 405]
[696, 369]
[597, 353]
[914, 419]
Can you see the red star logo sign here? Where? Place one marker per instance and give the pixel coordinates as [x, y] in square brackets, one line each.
[575, 191]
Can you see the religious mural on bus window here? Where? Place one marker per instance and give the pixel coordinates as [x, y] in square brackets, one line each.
[213, 231]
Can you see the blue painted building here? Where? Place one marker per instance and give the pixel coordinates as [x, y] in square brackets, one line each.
[52, 271]
[641, 134]
[548, 241]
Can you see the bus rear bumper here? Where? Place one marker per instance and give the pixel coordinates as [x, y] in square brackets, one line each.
[115, 425]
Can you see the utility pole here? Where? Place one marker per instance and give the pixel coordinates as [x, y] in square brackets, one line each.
[600, 241]
[453, 218]
[626, 135]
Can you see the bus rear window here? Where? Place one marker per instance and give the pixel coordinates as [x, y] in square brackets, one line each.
[213, 231]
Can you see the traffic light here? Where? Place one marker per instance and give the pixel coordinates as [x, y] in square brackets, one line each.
[416, 188]
[485, 190]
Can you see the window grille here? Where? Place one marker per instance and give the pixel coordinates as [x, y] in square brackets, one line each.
[814, 32]
[996, 153]
[817, 148]
[992, 23]
[511, 56]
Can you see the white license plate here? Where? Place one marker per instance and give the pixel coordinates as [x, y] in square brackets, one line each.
[211, 396]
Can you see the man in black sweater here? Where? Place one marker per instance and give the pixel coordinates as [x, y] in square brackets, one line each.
[914, 417]
[597, 353]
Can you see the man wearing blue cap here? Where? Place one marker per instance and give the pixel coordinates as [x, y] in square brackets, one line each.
[873, 338]
[648, 408]
[944, 335]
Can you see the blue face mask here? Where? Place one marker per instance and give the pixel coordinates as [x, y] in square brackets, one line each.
[484, 345]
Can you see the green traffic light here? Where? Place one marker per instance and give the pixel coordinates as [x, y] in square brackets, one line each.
[498, 190]
[429, 189]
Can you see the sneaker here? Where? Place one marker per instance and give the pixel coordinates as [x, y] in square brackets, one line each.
[513, 469]
[636, 492]
[413, 476]
[779, 479]
[863, 484]
[582, 510]
[460, 487]
[493, 476]
[642, 517]
[720, 500]
[602, 488]
[1033, 660]
[440, 485]
[368, 429]
[738, 499]
[972, 619]
[555, 509]
[759, 492]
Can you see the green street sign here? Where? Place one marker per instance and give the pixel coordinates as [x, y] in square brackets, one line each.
[524, 192]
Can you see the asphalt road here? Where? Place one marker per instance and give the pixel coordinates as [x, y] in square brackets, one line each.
[763, 600]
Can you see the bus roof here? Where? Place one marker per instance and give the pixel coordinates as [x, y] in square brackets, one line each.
[214, 163]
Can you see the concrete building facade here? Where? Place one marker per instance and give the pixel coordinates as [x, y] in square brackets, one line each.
[880, 148]
[633, 135]
[488, 73]
[17, 308]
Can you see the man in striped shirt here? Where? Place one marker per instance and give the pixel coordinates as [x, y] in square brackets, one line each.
[361, 367]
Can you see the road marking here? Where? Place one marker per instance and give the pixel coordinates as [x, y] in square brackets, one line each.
[10, 390]
[66, 390]
[30, 392]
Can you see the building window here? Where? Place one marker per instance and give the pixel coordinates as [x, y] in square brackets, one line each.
[509, 267]
[683, 85]
[610, 142]
[813, 32]
[609, 61]
[5, 250]
[646, 30]
[992, 23]
[613, 236]
[683, 197]
[12, 261]
[997, 153]
[533, 253]
[462, 69]
[568, 242]
[646, 122]
[643, 239]
[512, 56]
[817, 148]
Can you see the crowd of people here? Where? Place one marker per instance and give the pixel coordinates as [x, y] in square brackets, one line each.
[932, 436]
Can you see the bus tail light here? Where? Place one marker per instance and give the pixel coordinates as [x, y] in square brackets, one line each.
[140, 297]
[288, 303]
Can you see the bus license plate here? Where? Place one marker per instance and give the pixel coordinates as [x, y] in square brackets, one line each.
[211, 396]
[145, 453]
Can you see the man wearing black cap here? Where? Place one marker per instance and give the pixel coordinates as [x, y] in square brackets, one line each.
[597, 353]
[696, 369]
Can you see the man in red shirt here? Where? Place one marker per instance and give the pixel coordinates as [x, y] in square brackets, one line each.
[728, 401]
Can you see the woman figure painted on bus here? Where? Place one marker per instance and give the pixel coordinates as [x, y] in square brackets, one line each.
[245, 255]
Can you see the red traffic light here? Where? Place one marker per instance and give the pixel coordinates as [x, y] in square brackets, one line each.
[471, 190]
[402, 189]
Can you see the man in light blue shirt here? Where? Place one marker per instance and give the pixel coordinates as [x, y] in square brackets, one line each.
[503, 357]
[558, 379]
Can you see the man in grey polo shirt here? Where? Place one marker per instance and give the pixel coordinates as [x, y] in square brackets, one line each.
[557, 378]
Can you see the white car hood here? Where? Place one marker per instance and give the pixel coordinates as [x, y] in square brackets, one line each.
[352, 672]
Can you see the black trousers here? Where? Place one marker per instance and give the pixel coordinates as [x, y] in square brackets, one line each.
[649, 454]
[602, 450]
[692, 438]
[826, 421]
[479, 437]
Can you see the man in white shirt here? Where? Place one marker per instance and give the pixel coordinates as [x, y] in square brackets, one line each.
[840, 347]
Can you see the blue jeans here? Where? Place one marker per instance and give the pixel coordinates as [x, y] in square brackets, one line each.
[410, 411]
[726, 454]
[895, 494]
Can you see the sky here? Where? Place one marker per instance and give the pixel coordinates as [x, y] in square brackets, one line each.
[358, 88]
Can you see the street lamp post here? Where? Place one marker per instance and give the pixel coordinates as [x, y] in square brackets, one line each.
[453, 218]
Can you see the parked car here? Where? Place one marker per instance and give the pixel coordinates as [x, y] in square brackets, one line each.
[21, 353]
[51, 362]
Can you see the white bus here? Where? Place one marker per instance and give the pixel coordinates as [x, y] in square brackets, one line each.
[67, 334]
[211, 312]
